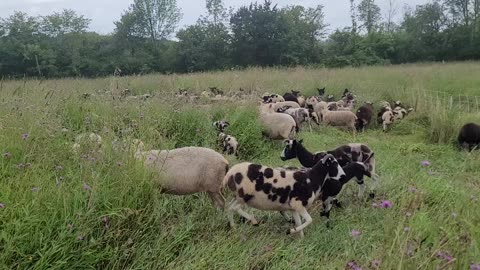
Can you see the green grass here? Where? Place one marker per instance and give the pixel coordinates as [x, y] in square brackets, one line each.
[122, 222]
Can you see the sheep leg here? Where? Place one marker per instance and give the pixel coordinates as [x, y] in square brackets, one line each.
[236, 206]
[298, 222]
[217, 199]
[284, 215]
[327, 206]
[230, 210]
[308, 220]
[361, 188]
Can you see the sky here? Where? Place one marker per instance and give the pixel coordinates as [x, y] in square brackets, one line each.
[104, 12]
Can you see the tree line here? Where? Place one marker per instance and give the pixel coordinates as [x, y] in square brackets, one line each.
[146, 39]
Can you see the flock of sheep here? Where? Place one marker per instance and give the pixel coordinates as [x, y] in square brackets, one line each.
[191, 170]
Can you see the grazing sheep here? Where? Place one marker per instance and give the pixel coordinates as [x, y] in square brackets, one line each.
[229, 144]
[311, 102]
[469, 137]
[301, 115]
[345, 154]
[264, 188]
[388, 119]
[272, 98]
[279, 106]
[221, 125]
[277, 126]
[383, 109]
[293, 96]
[186, 170]
[340, 118]
[364, 115]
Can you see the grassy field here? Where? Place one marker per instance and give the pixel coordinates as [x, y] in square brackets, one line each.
[61, 210]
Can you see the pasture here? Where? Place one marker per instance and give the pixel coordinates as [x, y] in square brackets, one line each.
[61, 210]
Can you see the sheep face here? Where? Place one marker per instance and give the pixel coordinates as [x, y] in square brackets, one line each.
[221, 125]
[290, 150]
[321, 91]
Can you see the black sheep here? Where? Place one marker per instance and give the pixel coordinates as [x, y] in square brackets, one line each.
[469, 137]
[291, 96]
[364, 115]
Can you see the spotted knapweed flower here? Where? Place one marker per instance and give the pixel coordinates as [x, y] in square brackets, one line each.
[475, 266]
[376, 263]
[425, 163]
[25, 136]
[119, 164]
[58, 168]
[2, 205]
[353, 266]
[86, 187]
[355, 233]
[387, 204]
[7, 155]
[412, 189]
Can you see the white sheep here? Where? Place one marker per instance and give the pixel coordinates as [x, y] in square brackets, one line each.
[277, 125]
[229, 143]
[265, 188]
[388, 119]
[302, 115]
[186, 170]
[340, 118]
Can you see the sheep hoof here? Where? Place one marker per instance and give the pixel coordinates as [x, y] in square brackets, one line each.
[372, 195]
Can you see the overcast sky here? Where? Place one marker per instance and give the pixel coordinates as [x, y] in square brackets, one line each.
[104, 12]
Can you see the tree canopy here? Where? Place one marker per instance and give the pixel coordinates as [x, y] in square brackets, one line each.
[258, 34]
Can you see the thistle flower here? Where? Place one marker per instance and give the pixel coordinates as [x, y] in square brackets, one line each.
[355, 233]
[86, 187]
[474, 266]
[24, 136]
[412, 189]
[376, 263]
[425, 163]
[2, 205]
[353, 266]
[386, 204]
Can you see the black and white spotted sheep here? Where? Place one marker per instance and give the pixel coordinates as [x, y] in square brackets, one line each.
[265, 188]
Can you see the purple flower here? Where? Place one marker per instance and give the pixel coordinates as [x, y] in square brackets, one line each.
[387, 204]
[406, 229]
[475, 266]
[35, 189]
[2, 205]
[24, 136]
[353, 266]
[425, 163]
[439, 254]
[355, 233]
[119, 164]
[412, 189]
[7, 155]
[58, 168]
[86, 187]
[448, 258]
[376, 263]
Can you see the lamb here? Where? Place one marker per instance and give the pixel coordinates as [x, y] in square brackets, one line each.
[301, 115]
[382, 111]
[229, 143]
[277, 125]
[264, 188]
[340, 118]
[469, 136]
[364, 115]
[388, 119]
[221, 125]
[185, 171]
[344, 154]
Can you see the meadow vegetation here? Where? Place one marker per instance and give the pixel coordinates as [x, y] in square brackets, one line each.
[61, 210]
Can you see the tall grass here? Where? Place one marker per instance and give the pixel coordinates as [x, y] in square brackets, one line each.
[67, 210]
